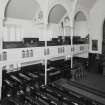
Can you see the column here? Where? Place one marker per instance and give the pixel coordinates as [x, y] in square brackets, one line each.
[1, 28]
[72, 46]
[3, 4]
[0, 80]
[45, 33]
[72, 28]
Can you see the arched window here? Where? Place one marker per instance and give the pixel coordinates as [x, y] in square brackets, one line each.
[80, 25]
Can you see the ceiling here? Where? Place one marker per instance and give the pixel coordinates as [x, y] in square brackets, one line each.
[87, 4]
[22, 9]
[26, 9]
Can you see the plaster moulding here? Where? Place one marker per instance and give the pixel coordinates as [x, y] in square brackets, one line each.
[38, 18]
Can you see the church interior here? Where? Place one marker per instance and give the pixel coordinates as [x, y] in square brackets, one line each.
[52, 52]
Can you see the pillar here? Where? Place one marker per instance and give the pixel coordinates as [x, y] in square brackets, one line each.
[72, 33]
[45, 33]
[0, 54]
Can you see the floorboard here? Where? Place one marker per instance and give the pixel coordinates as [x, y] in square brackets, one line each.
[92, 86]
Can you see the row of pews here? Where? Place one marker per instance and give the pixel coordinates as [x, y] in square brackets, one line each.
[26, 87]
[46, 95]
[13, 82]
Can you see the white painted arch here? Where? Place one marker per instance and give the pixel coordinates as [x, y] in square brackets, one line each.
[80, 23]
[56, 14]
[82, 11]
[64, 5]
[80, 16]
[4, 4]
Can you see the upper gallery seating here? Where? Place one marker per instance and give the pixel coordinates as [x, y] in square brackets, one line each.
[8, 45]
[27, 42]
[66, 40]
[34, 42]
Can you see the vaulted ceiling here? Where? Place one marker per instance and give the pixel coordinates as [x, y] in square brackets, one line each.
[26, 9]
[87, 4]
[22, 9]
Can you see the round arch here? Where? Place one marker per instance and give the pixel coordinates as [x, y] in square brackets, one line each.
[5, 4]
[80, 16]
[54, 5]
[54, 12]
[82, 11]
[80, 23]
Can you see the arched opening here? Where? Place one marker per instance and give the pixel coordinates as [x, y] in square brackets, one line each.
[19, 17]
[56, 14]
[80, 37]
[24, 9]
[58, 22]
[80, 25]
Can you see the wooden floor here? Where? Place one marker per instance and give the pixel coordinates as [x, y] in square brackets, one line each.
[93, 81]
[93, 87]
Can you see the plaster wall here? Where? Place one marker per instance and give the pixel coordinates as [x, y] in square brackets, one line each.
[96, 19]
[80, 28]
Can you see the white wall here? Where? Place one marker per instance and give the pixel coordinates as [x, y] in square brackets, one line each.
[54, 29]
[24, 28]
[96, 19]
[16, 29]
[67, 31]
[80, 28]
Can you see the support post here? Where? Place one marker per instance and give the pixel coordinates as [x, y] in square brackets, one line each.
[72, 46]
[45, 71]
[3, 4]
[1, 28]
[72, 29]
[45, 33]
[0, 81]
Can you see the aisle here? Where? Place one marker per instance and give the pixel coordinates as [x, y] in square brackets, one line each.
[93, 81]
[92, 87]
